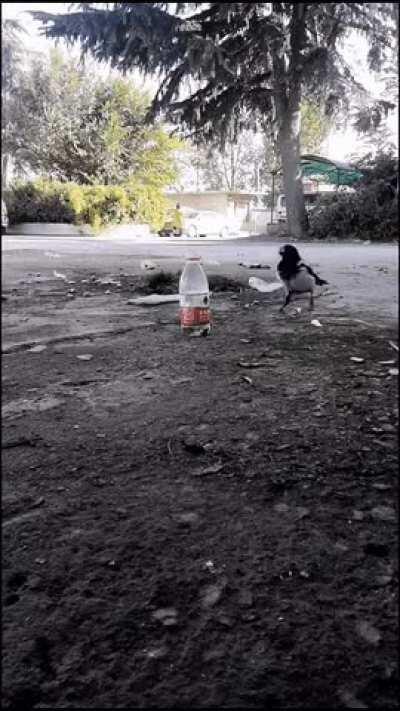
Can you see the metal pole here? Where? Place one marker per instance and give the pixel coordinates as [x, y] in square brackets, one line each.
[272, 197]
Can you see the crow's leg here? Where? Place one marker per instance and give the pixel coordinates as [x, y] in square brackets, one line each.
[287, 301]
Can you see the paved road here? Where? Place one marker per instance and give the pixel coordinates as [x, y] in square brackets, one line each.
[365, 275]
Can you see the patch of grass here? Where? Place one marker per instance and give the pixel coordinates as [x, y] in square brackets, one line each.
[162, 283]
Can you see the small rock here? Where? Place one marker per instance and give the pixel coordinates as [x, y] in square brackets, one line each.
[213, 654]
[245, 598]
[225, 620]
[358, 515]
[383, 513]
[350, 701]
[85, 356]
[166, 615]
[301, 512]
[368, 632]
[281, 508]
[355, 359]
[383, 580]
[211, 595]
[189, 518]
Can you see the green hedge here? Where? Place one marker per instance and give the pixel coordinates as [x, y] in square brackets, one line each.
[368, 214]
[97, 205]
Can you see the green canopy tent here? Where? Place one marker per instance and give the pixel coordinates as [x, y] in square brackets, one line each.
[328, 171]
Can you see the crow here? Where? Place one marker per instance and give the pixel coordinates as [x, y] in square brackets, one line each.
[297, 277]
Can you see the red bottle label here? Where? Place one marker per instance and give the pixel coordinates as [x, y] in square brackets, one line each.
[194, 317]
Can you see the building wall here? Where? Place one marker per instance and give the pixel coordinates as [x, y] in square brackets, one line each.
[217, 202]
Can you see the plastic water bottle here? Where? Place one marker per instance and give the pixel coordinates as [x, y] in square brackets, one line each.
[194, 299]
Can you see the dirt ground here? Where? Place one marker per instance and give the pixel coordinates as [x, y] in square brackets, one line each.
[199, 522]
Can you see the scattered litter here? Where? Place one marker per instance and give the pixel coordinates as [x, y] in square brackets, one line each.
[356, 359]
[383, 513]
[393, 371]
[247, 379]
[254, 265]
[58, 275]
[40, 561]
[386, 362]
[148, 264]
[316, 323]
[85, 356]
[211, 469]
[264, 286]
[393, 345]
[368, 632]
[20, 442]
[71, 282]
[209, 565]
[154, 299]
[37, 349]
[254, 364]
[245, 340]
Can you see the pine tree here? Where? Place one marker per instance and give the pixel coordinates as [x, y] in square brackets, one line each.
[233, 64]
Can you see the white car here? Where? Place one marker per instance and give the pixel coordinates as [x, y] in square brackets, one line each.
[202, 223]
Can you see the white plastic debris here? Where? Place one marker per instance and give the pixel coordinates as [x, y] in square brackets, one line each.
[37, 349]
[153, 299]
[58, 275]
[264, 286]
[316, 323]
[394, 345]
[393, 371]
[148, 264]
[355, 359]
[85, 356]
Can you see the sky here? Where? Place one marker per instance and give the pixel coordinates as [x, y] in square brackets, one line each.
[340, 145]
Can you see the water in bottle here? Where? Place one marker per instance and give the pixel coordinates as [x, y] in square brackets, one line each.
[194, 299]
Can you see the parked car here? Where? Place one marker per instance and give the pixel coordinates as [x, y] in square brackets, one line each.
[311, 200]
[203, 223]
[4, 217]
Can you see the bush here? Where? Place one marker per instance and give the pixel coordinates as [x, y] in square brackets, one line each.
[97, 205]
[368, 214]
[38, 202]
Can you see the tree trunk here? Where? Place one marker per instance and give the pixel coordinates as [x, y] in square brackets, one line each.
[287, 99]
[288, 143]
